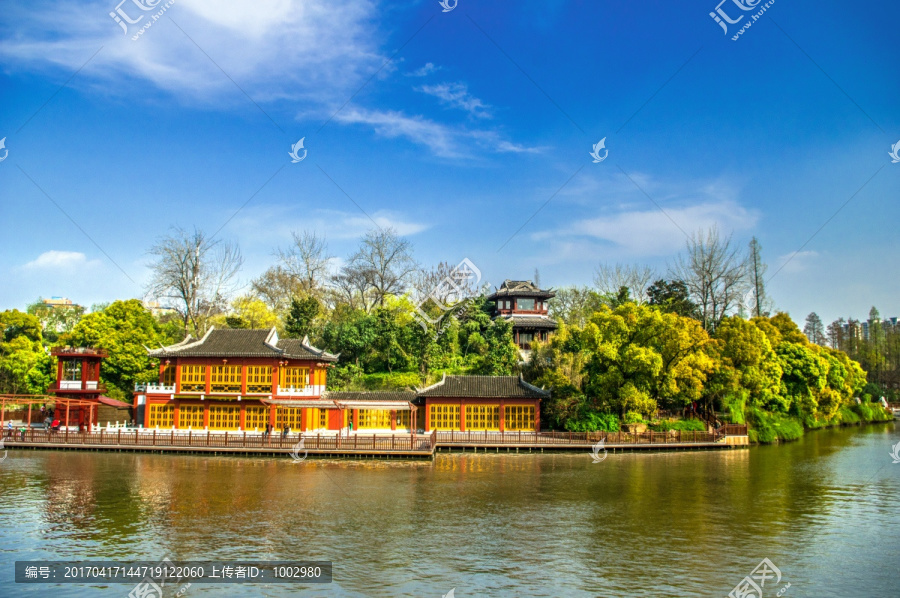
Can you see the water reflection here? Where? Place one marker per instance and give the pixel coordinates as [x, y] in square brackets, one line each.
[685, 523]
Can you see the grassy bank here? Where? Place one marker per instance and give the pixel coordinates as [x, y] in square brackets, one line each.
[766, 427]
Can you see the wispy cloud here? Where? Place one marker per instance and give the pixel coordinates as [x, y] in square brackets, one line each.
[793, 263]
[442, 140]
[621, 217]
[59, 260]
[315, 49]
[456, 95]
[424, 71]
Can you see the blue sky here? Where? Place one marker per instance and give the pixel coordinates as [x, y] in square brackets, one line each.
[455, 128]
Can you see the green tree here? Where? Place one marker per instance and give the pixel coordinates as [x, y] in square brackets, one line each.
[301, 315]
[55, 320]
[672, 296]
[125, 329]
[25, 368]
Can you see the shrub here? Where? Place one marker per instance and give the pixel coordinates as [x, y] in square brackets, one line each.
[683, 425]
[633, 417]
[767, 428]
[593, 422]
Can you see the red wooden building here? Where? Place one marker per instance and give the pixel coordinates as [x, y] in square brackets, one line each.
[525, 305]
[78, 377]
[499, 403]
[239, 380]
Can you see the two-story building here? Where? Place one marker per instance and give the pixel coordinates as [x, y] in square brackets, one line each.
[525, 305]
[239, 380]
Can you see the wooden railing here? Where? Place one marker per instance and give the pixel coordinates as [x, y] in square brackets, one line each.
[562, 438]
[237, 440]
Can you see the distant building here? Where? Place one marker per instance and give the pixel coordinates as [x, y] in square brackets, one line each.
[156, 310]
[525, 305]
[58, 302]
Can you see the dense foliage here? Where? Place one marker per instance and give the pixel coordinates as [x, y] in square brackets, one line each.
[632, 360]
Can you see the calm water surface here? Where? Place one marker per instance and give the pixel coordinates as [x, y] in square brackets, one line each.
[824, 510]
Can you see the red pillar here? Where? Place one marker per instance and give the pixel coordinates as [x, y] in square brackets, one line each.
[356, 419]
[502, 416]
[462, 415]
[537, 416]
[393, 419]
[427, 416]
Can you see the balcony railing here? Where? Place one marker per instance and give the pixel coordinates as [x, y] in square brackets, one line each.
[311, 390]
[78, 385]
[164, 389]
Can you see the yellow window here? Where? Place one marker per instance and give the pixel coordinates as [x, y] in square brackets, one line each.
[374, 418]
[444, 417]
[518, 417]
[293, 377]
[259, 379]
[287, 416]
[224, 418]
[162, 416]
[190, 416]
[193, 378]
[167, 377]
[323, 418]
[403, 419]
[256, 418]
[225, 378]
[482, 417]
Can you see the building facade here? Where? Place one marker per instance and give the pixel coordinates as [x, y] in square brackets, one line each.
[246, 380]
[239, 380]
[483, 403]
[525, 305]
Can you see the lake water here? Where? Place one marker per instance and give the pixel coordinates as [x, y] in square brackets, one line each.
[824, 510]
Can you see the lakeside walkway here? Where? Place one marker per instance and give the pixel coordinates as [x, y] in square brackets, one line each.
[374, 445]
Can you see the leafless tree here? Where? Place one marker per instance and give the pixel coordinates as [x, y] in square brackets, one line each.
[609, 279]
[715, 274]
[194, 275]
[758, 303]
[445, 283]
[302, 269]
[383, 263]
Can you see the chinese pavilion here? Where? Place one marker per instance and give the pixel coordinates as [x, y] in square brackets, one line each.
[500, 403]
[525, 305]
[78, 379]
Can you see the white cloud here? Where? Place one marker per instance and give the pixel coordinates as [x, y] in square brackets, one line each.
[631, 224]
[59, 260]
[457, 95]
[795, 262]
[443, 140]
[315, 49]
[425, 70]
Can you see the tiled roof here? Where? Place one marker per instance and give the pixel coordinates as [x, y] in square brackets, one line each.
[484, 386]
[520, 288]
[243, 343]
[522, 321]
[373, 395]
[113, 402]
